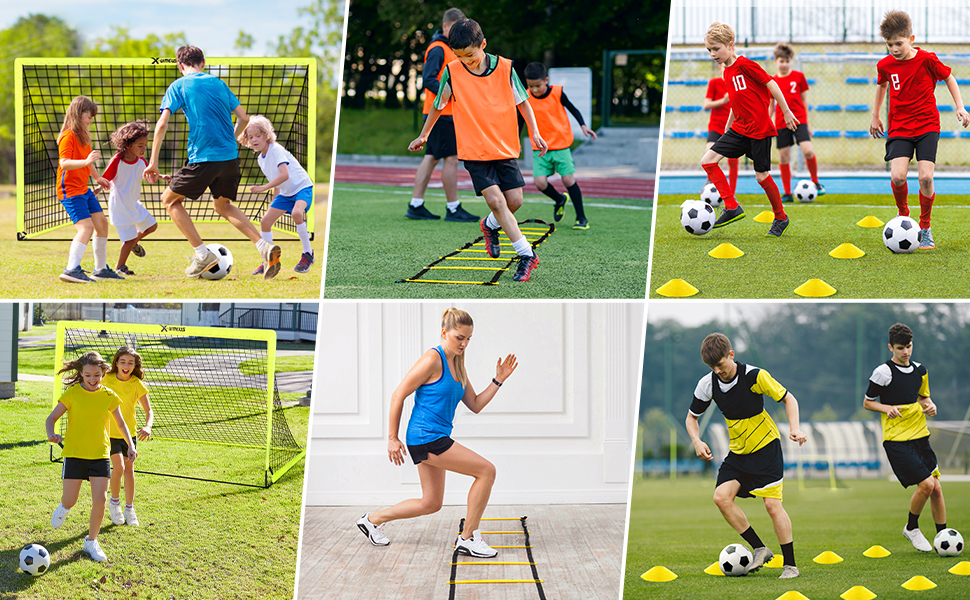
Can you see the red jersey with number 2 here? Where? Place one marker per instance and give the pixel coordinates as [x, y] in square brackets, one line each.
[747, 86]
[792, 86]
[912, 93]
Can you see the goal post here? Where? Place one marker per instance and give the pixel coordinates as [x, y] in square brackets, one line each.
[131, 89]
[196, 388]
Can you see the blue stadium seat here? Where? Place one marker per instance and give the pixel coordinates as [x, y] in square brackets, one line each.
[856, 108]
[828, 107]
[689, 108]
[696, 82]
[945, 108]
[679, 135]
[965, 134]
[948, 135]
[669, 108]
[811, 82]
[858, 80]
[856, 134]
[963, 82]
[827, 134]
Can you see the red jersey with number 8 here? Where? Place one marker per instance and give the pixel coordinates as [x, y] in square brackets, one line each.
[747, 86]
[912, 93]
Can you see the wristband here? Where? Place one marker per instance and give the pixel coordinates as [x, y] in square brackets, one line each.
[496, 382]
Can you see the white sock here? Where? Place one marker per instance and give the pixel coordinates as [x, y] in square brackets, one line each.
[453, 206]
[100, 253]
[416, 202]
[267, 235]
[75, 255]
[522, 247]
[116, 501]
[262, 245]
[492, 222]
[304, 233]
[201, 250]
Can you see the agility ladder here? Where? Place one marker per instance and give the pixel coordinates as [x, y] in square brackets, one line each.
[454, 581]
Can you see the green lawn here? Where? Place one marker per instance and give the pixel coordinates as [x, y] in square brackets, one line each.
[373, 245]
[774, 267]
[284, 364]
[677, 525]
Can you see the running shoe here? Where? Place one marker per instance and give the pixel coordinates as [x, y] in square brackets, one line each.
[106, 273]
[59, 516]
[526, 265]
[374, 533]
[560, 209]
[491, 239]
[75, 275]
[271, 260]
[138, 251]
[926, 239]
[93, 548]
[420, 214]
[475, 546]
[787, 198]
[199, 266]
[130, 517]
[778, 227]
[124, 270]
[459, 215]
[305, 261]
[761, 556]
[581, 224]
[729, 216]
[116, 512]
[916, 537]
[789, 572]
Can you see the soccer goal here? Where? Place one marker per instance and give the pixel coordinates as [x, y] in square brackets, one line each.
[131, 89]
[206, 385]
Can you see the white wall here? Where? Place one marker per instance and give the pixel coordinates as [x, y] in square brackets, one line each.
[559, 430]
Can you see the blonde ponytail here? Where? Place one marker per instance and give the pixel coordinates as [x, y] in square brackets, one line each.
[451, 319]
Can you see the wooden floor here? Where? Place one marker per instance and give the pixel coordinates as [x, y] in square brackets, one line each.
[577, 550]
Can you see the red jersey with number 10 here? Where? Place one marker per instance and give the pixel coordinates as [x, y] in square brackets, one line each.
[912, 93]
[747, 86]
[792, 86]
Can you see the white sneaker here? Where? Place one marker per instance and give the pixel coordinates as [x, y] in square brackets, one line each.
[919, 542]
[475, 546]
[59, 516]
[92, 548]
[130, 517]
[116, 515]
[200, 265]
[374, 533]
[759, 558]
[789, 572]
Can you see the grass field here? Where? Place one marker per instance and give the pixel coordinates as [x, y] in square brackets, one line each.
[373, 245]
[195, 540]
[160, 274]
[677, 525]
[774, 267]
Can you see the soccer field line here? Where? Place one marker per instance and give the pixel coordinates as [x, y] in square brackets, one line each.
[648, 206]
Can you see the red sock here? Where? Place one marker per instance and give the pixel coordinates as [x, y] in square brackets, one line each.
[733, 173]
[812, 168]
[716, 175]
[774, 196]
[925, 207]
[786, 177]
[899, 193]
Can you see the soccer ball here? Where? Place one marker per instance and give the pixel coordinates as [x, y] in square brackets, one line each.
[901, 235]
[805, 191]
[710, 195]
[697, 217]
[735, 560]
[221, 268]
[34, 559]
[948, 542]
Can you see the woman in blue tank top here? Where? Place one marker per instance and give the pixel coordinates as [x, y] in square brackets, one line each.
[438, 382]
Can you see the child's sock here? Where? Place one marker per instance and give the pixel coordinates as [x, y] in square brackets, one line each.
[452, 206]
[774, 196]
[925, 208]
[733, 173]
[304, 234]
[491, 222]
[75, 254]
[812, 164]
[940, 527]
[100, 253]
[717, 177]
[785, 177]
[899, 194]
[116, 501]
[577, 197]
[416, 202]
[201, 250]
[752, 538]
[788, 552]
[522, 247]
[132, 505]
[267, 235]
[553, 193]
[913, 522]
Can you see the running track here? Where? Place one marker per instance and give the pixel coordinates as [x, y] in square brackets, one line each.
[596, 187]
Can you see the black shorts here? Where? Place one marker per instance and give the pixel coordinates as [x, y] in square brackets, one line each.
[734, 145]
[756, 471]
[221, 178]
[787, 137]
[420, 452]
[925, 146]
[912, 460]
[83, 468]
[486, 173]
[120, 446]
[713, 136]
[441, 141]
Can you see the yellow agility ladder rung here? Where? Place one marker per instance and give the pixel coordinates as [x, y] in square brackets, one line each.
[441, 281]
[539, 229]
[489, 562]
[474, 258]
[471, 268]
[484, 532]
[486, 251]
[497, 581]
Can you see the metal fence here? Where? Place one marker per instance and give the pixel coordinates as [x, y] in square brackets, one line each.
[270, 318]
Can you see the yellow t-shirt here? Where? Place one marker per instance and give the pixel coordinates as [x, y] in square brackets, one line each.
[129, 392]
[87, 422]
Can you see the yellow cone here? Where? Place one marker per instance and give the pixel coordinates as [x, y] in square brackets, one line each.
[846, 251]
[870, 221]
[659, 574]
[813, 288]
[677, 288]
[828, 558]
[766, 216]
[726, 251]
[776, 562]
[961, 568]
[793, 595]
[876, 551]
[919, 583]
[857, 593]
[714, 569]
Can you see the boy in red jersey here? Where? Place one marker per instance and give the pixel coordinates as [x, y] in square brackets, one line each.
[910, 75]
[793, 86]
[719, 103]
[749, 126]
[485, 92]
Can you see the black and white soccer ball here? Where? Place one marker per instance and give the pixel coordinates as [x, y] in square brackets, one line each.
[901, 235]
[948, 542]
[735, 560]
[805, 191]
[697, 217]
[221, 268]
[34, 560]
[711, 196]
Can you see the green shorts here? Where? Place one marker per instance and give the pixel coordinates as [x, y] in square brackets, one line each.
[555, 161]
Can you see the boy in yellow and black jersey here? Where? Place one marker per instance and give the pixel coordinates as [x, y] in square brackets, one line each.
[900, 390]
[754, 465]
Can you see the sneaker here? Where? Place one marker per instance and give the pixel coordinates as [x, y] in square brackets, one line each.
[559, 210]
[788, 572]
[115, 510]
[821, 192]
[526, 265]
[106, 273]
[459, 215]
[581, 224]
[124, 270]
[138, 251]
[761, 556]
[307, 259]
[420, 213]
[75, 275]
[130, 517]
[374, 533]
[778, 227]
[475, 546]
[92, 548]
[259, 270]
[787, 198]
[926, 239]
[491, 239]
[271, 260]
[729, 216]
[59, 516]
[919, 542]
[201, 265]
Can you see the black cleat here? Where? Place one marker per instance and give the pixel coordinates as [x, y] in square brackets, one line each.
[778, 227]
[787, 198]
[560, 209]
[138, 251]
[581, 224]
[124, 270]
[526, 265]
[460, 215]
[820, 188]
[420, 213]
[729, 216]
[491, 239]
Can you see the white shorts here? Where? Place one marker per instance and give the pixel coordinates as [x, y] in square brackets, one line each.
[130, 232]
